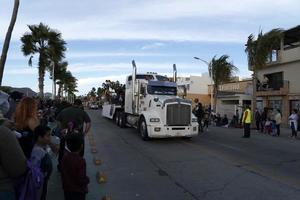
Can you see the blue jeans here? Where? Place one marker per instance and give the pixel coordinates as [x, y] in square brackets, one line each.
[7, 195]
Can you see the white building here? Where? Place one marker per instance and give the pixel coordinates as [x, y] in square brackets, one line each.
[195, 87]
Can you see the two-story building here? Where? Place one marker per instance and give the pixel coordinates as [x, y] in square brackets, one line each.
[233, 96]
[279, 86]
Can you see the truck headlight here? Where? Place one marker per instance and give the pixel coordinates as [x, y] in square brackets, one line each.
[194, 120]
[154, 120]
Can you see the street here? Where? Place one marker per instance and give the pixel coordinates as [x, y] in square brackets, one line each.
[218, 164]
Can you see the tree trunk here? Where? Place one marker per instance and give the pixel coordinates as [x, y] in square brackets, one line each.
[7, 39]
[215, 99]
[41, 82]
[253, 102]
[59, 91]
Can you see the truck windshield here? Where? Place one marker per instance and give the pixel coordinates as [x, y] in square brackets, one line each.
[160, 90]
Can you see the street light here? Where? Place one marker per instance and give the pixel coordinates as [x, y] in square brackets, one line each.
[211, 80]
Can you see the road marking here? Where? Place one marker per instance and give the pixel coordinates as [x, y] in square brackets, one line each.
[97, 161]
[101, 178]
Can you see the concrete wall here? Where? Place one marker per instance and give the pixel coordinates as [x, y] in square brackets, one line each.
[197, 84]
[290, 55]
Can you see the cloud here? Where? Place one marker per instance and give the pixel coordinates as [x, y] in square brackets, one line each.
[143, 67]
[177, 20]
[21, 71]
[85, 54]
[153, 46]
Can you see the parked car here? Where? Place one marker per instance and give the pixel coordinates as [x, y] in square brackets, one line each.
[93, 105]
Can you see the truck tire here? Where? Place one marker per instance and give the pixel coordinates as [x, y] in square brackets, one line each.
[143, 129]
[117, 119]
[122, 120]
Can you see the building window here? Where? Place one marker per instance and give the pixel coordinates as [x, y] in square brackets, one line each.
[273, 57]
[275, 104]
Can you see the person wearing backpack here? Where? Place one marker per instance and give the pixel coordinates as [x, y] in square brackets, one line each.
[41, 158]
[12, 163]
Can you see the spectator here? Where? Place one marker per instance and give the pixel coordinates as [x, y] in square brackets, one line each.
[293, 118]
[40, 156]
[4, 104]
[12, 163]
[258, 85]
[14, 98]
[218, 120]
[257, 119]
[274, 128]
[247, 119]
[264, 117]
[237, 115]
[26, 120]
[199, 114]
[74, 178]
[265, 83]
[206, 119]
[277, 119]
[225, 121]
[80, 120]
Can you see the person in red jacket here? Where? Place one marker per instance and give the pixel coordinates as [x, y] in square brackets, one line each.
[73, 169]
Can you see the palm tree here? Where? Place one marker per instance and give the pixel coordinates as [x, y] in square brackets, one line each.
[48, 44]
[60, 74]
[69, 83]
[259, 51]
[7, 38]
[222, 71]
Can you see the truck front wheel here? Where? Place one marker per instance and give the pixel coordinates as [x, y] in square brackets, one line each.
[143, 130]
[117, 118]
[122, 120]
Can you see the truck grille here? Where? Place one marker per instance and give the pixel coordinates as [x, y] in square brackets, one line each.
[178, 115]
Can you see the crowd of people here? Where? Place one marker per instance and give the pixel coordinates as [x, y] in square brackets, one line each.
[268, 121]
[206, 117]
[32, 133]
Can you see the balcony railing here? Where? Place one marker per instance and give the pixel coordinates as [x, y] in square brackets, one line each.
[275, 89]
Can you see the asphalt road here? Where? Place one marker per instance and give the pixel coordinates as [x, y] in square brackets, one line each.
[218, 164]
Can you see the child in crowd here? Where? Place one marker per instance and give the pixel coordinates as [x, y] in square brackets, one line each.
[41, 157]
[268, 126]
[73, 169]
[274, 130]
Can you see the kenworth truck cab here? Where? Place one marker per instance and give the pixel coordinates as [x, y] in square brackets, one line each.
[153, 107]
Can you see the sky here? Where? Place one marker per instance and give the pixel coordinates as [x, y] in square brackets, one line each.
[103, 37]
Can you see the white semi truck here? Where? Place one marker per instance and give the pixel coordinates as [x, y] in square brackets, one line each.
[153, 107]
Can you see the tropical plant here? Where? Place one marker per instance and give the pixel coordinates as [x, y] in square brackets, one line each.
[222, 71]
[70, 84]
[60, 74]
[49, 46]
[7, 38]
[259, 51]
[92, 93]
[100, 92]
